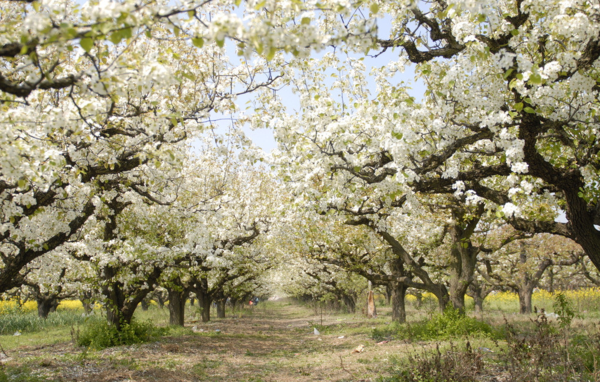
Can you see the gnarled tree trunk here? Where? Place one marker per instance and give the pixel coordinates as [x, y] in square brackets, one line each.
[398, 302]
[46, 305]
[177, 298]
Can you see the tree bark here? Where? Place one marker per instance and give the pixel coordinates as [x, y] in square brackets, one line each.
[478, 292]
[205, 299]
[221, 308]
[349, 302]
[177, 306]
[398, 302]
[86, 301]
[464, 255]
[388, 294]
[205, 304]
[525, 294]
[46, 305]
[122, 302]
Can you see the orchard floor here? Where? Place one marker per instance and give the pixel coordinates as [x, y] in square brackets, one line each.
[274, 341]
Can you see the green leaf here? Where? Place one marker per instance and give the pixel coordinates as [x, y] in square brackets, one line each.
[22, 183]
[271, 53]
[86, 43]
[305, 21]
[514, 32]
[221, 43]
[535, 79]
[116, 37]
[481, 18]
[198, 42]
[519, 106]
[260, 5]
[238, 2]
[374, 8]
[508, 73]
[529, 110]
[36, 6]
[127, 33]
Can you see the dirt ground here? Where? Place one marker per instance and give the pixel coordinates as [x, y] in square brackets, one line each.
[273, 343]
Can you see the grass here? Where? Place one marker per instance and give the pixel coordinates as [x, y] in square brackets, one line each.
[23, 322]
[275, 341]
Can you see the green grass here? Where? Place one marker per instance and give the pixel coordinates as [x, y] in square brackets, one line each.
[37, 339]
[450, 324]
[16, 321]
[19, 374]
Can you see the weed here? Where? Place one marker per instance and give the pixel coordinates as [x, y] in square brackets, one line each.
[448, 325]
[441, 366]
[101, 335]
[19, 374]
[564, 309]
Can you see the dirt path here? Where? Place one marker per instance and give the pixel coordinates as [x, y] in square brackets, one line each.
[269, 344]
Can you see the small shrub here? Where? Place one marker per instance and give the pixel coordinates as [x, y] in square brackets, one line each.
[564, 308]
[101, 335]
[448, 325]
[441, 366]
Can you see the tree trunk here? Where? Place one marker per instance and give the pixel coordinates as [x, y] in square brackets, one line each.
[464, 257]
[54, 306]
[205, 304]
[478, 302]
[160, 300]
[525, 294]
[419, 297]
[441, 293]
[221, 308]
[349, 302]
[86, 301]
[398, 302]
[205, 299]
[551, 280]
[478, 292]
[177, 306]
[122, 303]
[388, 294]
[46, 305]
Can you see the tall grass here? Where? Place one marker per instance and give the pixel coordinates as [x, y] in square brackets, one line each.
[14, 320]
